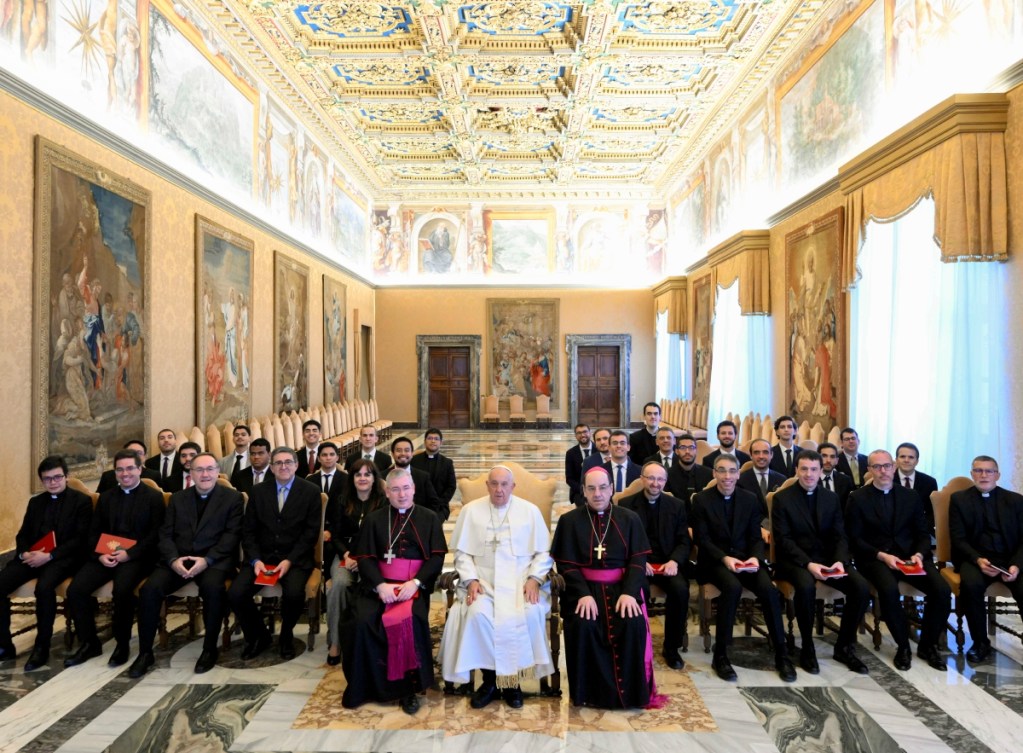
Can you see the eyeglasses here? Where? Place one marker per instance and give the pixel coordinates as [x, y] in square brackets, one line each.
[984, 471]
[686, 447]
[881, 467]
[206, 469]
[727, 471]
[283, 463]
[54, 478]
[654, 478]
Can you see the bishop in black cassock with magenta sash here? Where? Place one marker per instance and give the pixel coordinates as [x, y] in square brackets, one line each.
[601, 551]
[385, 636]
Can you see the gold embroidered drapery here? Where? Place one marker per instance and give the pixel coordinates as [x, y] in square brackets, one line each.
[672, 296]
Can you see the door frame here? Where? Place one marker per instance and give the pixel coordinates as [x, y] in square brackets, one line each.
[624, 343]
[423, 344]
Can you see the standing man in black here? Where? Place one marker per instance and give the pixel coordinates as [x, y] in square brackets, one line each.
[809, 539]
[667, 528]
[238, 458]
[851, 461]
[665, 454]
[602, 441]
[907, 455]
[199, 543]
[133, 511]
[279, 535]
[887, 528]
[574, 459]
[833, 479]
[643, 442]
[761, 479]
[258, 469]
[65, 513]
[425, 495]
[368, 450]
[985, 523]
[728, 434]
[727, 527]
[183, 478]
[330, 479]
[439, 467]
[166, 463]
[687, 477]
[783, 457]
[307, 462]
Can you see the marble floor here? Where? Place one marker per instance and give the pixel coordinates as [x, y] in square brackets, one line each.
[295, 706]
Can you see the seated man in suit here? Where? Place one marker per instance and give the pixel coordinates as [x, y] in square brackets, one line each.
[238, 458]
[665, 454]
[761, 479]
[184, 479]
[643, 442]
[426, 496]
[131, 511]
[833, 479]
[985, 523]
[166, 463]
[601, 440]
[258, 469]
[887, 528]
[307, 462]
[667, 528]
[731, 556]
[279, 535]
[783, 457]
[65, 513]
[727, 436]
[623, 471]
[687, 477]
[852, 462]
[907, 455]
[368, 449]
[198, 542]
[439, 467]
[109, 478]
[810, 541]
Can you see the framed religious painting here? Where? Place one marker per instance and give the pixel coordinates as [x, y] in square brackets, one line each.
[703, 311]
[335, 341]
[91, 351]
[291, 334]
[815, 313]
[524, 340]
[223, 337]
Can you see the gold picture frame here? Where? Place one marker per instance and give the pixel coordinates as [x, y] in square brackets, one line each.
[291, 334]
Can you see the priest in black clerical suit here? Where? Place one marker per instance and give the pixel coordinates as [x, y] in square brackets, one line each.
[886, 525]
[574, 459]
[686, 477]
[439, 467]
[108, 480]
[985, 523]
[809, 536]
[385, 635]
[601, 551]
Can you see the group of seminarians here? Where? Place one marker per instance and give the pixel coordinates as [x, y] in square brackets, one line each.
[608, 555]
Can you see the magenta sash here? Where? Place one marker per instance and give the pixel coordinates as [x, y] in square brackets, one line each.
[614, 575]
[397, 619]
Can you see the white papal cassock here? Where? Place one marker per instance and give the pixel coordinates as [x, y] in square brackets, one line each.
[500, 630]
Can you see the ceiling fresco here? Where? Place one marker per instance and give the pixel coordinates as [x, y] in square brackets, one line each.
[481, 98]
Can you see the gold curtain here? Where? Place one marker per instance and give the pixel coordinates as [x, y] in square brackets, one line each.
[673, 296]
[955, 152]
[745, 257]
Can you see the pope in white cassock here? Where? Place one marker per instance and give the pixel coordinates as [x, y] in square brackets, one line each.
[502, 554]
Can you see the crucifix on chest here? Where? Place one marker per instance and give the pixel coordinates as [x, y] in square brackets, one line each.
[389, 556]
[600, 549]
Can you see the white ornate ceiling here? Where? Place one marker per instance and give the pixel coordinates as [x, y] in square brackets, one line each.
[523, 96]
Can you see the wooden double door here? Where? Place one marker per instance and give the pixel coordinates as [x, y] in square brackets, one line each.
[598, 386]
[448, 396]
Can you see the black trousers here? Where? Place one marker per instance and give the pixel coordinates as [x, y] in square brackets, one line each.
[857, 597]
[731, 585]
[244, 588]
[676, 608]
[164, 582]
[938, 601]
[126, 577]
[49, 576]
[972, 585]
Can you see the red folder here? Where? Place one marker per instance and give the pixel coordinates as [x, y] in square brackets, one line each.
[108, 543]
[46, 544]
[908, 567]
[267, 578]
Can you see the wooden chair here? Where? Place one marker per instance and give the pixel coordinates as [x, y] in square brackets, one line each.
[634, 487]
[517, 414]
[543, 411]
[808, 444]
[491, 413]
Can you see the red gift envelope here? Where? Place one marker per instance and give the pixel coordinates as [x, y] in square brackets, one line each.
[46, 544]
[747, 567]
[908, 567]
[658, 569]
[267, 578]
[108, 543]
[833, 572]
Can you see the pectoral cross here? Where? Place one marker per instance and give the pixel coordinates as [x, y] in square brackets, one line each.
[493, 542]
[389, 556]
[600, 549]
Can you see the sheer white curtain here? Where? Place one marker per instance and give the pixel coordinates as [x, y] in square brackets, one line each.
[925, 349]
[669, 377]
[740, 375]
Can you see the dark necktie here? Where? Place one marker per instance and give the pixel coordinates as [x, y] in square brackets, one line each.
[763, 483]
[666, 462]
[827, 483]
[619, 478]
[237, 464]
[326, 484]
[788, 460]
[586, 454]
[164, 473]
[312, 460]
[905, 482]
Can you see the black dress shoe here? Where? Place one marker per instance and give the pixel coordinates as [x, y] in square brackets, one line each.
[513, 697]
[207, 660]
[785, 669]
[287, 648]
[85, 652]
[8, 653]
[256, 647]
[120, 655]
[846, 656]
[142, 664]
[409, 704]
[903, 659]
[933, 657]
[979, 651]
[673, 660]
[333, 661]
[808, 661]
[484, 694]
[723, 668]
[37, 659]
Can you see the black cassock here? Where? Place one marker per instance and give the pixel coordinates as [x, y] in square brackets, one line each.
[363, 640]
[606, 657]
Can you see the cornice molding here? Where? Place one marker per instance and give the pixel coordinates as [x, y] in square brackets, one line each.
[667, 285]
[740, 243]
